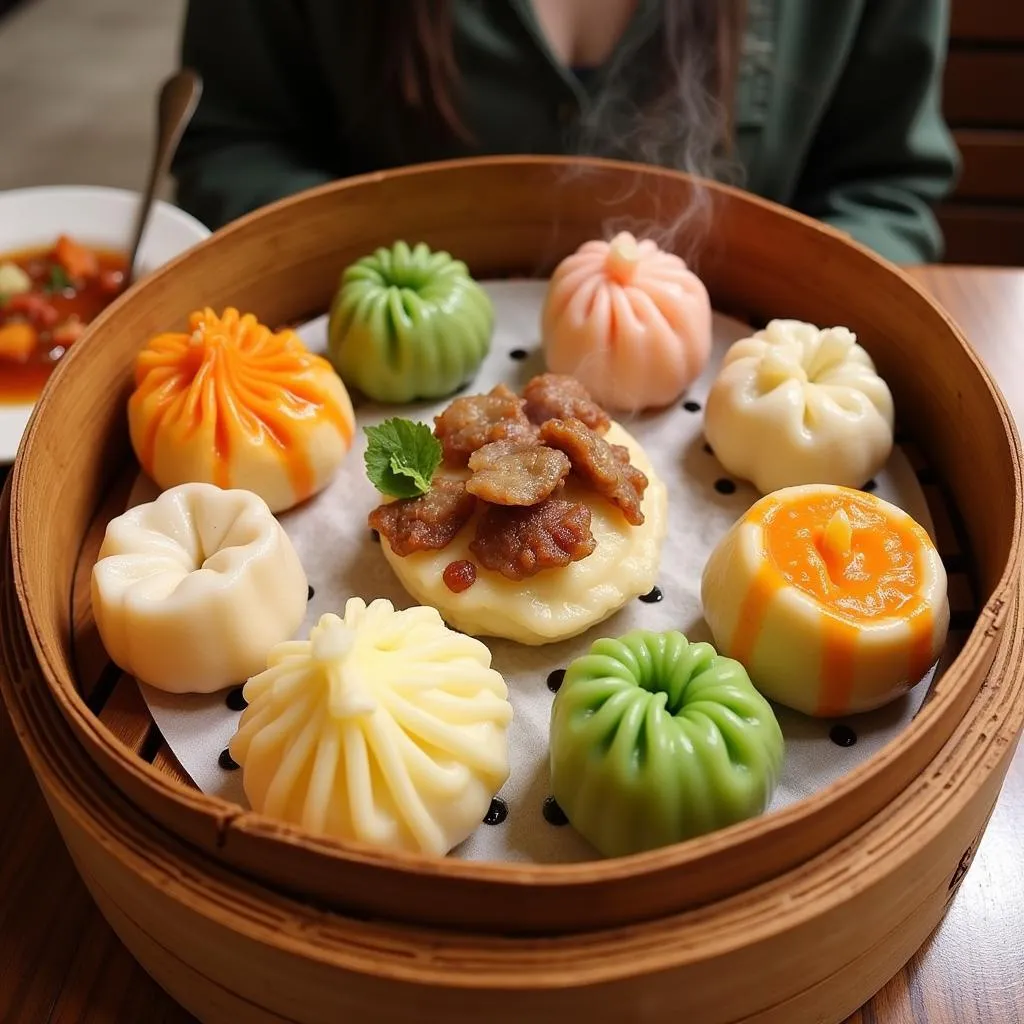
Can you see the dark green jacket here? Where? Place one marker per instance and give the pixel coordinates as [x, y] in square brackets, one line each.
[837, 112]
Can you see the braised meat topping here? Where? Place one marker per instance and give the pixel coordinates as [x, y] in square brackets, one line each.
[427, 523]
[603, 466]
[555, 396]
[520, 542]
[516, 472]
[471, 422]
[519, 453]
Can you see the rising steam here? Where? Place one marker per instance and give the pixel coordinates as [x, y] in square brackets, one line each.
[657, 107]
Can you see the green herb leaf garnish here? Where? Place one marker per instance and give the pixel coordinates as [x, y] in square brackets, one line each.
[59, 279]
[401, 457]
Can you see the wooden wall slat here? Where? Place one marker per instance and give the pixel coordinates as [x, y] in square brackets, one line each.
[993, 164]
[992, 235]
[985, 88]
[984, 104]
[988, 20]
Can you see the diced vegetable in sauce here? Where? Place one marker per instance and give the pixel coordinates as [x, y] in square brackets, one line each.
[13, 280]
[17, 341]
[80, 264]
[47, 298]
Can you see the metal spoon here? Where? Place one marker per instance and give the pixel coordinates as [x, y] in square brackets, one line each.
[179, 96]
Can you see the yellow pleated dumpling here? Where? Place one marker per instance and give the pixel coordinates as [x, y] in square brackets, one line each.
[384, 727]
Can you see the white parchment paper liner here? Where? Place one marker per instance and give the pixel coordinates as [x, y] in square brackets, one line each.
[342, 561]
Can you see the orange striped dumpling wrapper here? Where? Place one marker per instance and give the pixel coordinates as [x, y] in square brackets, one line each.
[235, 404]
[832, 599]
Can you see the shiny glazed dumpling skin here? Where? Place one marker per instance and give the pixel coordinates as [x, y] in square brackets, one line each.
[384, 727]
[797, 405]
[408, 324]
[557, 603]
[232, 403]
[655, 739]
[834, 600]
[630, 321]
[192, 590]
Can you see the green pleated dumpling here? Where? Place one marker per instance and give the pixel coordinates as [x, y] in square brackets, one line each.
[408, 324]
[655, 740]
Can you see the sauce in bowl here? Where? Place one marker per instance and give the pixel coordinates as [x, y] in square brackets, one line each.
[48, 296]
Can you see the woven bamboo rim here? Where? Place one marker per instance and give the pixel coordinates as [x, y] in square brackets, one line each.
[282, 263]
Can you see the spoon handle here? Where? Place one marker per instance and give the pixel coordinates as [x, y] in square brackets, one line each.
[179, 96]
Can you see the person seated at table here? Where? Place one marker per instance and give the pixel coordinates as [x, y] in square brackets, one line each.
[831, 108]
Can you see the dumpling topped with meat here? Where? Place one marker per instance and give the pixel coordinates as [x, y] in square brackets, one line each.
[545, 517]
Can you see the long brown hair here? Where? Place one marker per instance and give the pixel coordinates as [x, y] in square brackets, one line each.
[691, 79]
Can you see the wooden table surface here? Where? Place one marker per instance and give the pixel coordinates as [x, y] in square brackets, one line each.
[60, 962]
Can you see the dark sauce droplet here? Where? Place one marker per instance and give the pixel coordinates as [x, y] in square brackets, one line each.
[653, 596]
[497, 812]
[871, 485]
[375, 536]
[725, 486]
[691, 406]
[235, 700]
[555, 679]
[310, 592]
[518, 354]
[226, 761]
[842, 736]
[459, 576]
[553, 814]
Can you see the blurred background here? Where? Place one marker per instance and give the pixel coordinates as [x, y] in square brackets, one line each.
[78, 80]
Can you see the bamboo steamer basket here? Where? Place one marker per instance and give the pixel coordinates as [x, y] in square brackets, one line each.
[124, 796]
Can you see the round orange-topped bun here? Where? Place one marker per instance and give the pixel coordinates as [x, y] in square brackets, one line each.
[832, 599]
[235, 404]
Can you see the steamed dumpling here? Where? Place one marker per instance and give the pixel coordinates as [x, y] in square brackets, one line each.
[234, 404]
[409, 324]
[192, 590]
[655, 739]
[834, 600]
[798, 405]
[384, 727]
[631, 321]
[557, 603]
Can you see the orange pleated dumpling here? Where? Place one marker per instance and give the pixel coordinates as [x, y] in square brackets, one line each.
[235, 404]
[629, 320]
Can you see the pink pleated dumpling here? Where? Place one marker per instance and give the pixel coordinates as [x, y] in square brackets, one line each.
[628, 320]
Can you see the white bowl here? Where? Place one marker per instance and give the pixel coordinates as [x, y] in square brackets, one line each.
[102, 217]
